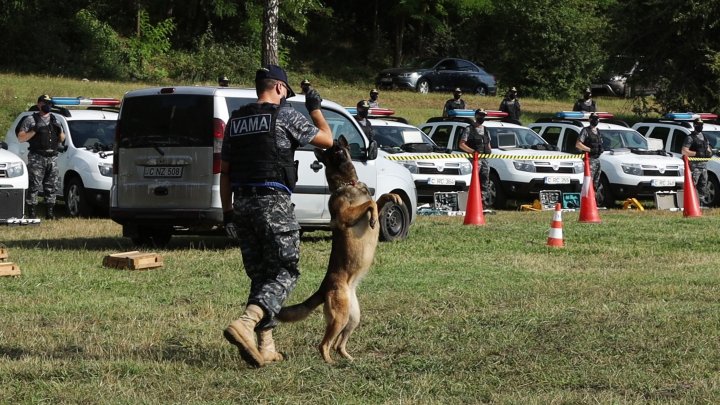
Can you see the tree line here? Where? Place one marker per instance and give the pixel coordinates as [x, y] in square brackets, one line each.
[546, 48]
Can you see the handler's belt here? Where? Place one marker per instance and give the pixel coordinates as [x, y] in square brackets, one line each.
[45, 153]
[252, 191]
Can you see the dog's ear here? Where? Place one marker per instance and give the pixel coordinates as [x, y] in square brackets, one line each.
[319, 154]
[342, 141]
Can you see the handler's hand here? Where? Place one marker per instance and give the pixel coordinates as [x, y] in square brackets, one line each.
[313, 100]
[231, 229]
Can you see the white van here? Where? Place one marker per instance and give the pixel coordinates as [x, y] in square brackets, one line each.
[166, 177]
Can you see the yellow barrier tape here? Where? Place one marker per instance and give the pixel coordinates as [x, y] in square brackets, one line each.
[481, 156]
[703, 159]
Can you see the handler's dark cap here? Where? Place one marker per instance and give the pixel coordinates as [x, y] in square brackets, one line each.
[457, 90]
[274, 72]
[698, 120]
[513, 89]
[305, 82]
[363, 104]
[223, 79]
[374, 91]
[45, 98]
[480, 111]
[587, 90]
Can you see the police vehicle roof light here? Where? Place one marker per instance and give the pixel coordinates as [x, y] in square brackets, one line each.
[82, 101]
[688, 116]
[373, 111]
[471, 113]
[581, 115]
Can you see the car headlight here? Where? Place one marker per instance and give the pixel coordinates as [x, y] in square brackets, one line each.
[578, 167]
[411, 166]
[617, 78]
[14, 169]
[105, 169]
[465, 168]
[632, 168]
[524, 165]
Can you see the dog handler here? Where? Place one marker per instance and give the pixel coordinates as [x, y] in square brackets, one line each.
[258, 171]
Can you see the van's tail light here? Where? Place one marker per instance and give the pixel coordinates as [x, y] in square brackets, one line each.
[218, 134]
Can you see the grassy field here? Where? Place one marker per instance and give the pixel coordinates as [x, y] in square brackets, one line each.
[628, 312]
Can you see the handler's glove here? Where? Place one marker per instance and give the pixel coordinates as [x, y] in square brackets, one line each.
[312, 100]
[231, 229]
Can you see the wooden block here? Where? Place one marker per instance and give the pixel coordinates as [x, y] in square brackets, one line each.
[3, 253]
[9, 269]
[133, 260]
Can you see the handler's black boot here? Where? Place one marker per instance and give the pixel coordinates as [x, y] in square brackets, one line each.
[32, 211]
[50, 211]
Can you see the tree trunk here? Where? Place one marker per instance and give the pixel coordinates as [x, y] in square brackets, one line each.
[270, 33]
[399, 35]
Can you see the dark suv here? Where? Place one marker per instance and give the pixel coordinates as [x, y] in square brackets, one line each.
[439, 75]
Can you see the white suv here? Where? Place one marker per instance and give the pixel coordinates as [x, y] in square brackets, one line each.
[13, 183]
[166, 177]
[630, 168]
[409, 146]
[672, 130]
[85, 166]
[528, 164]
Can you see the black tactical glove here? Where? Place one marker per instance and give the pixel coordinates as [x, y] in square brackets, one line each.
[312, 100]
[230, 228]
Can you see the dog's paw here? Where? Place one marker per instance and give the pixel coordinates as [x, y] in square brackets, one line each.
[372, 222]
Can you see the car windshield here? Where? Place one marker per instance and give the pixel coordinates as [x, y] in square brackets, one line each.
[524, 138]
[387, 136]
[619, 138]
[423, 64]
[98, 134]
[713, 137]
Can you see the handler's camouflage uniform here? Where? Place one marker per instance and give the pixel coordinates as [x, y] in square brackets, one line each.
[42, 168]
[268, 230]
[697, 142]
[593, 140]
[478, 138]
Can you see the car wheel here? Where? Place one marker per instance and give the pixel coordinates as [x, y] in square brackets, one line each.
[713, 191]
[394, 221]
[496, 198]
[603, 195]
[75, 200]
[152, 237]
[481, 90]
[423, 86]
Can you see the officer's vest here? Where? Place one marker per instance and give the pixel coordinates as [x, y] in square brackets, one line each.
[478, 142]
[367, 127]
[594, 142]
[453, 104]
[47, 137]
[255, 157]
[699, 146]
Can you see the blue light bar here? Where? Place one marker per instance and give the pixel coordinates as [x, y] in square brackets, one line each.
[461, 113]
[686, 116]
[574, 115]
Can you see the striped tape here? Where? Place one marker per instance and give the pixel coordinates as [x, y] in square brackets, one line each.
[703, 159]
[481, 156]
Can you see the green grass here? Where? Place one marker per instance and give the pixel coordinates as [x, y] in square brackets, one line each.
[627, 312]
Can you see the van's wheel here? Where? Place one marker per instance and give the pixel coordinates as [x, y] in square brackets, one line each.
[713, 191]
[75, 199]
[496, 198]
[394, 221]
[152, 237]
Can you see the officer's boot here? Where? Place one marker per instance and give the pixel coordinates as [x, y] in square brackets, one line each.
[241, 333]
[32, 211]
[50, 211]
[266, 345]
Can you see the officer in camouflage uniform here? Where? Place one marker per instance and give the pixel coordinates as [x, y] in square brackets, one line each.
[696, 145]
[258, 171]
[511, 105]
[455, 103]
[475, 138]
[363, 109]
[590, 141]
[45, 135]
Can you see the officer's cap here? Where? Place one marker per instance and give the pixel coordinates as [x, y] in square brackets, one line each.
[480, 111]
[587, 90]
[513, 89]
[698, 120]
[374, 91]
[457, 90]
[274, 72]
[223, 79]
[44, 98]
[363, 104]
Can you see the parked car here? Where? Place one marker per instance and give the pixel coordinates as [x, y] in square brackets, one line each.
[623, 78]
[439, 75]
[672, 130]
[528, 164]
[85, 166]
[166, 177]
[630, 166]
[13, 184]
[432, 168]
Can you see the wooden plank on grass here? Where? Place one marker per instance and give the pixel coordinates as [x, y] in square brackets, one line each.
[133, 260]
[3, 253]
[9, 269]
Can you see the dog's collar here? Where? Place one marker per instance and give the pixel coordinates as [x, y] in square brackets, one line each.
[348, 183]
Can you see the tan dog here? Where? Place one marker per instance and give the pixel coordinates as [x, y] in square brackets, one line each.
[355, 231]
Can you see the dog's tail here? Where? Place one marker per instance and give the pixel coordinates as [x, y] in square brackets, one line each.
[300, 311]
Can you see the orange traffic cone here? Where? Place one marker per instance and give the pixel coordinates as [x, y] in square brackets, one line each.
[474, 211]
[588, 206]
[691, 203]
[555, 237]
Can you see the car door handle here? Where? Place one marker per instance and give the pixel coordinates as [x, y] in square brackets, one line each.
[316, 166]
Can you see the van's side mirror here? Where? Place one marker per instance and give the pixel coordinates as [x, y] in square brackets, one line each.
[3, 145]
[372, 151]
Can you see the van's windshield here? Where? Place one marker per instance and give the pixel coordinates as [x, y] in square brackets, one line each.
[169, 120]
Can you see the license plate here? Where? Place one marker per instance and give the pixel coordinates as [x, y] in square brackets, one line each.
[163, 171]
[557, 180]
[663, 183]
[441, 182]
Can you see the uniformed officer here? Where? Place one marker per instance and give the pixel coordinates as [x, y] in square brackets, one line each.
[511, 105]
[305, 86]
[363, 109]
[373, 101]
[475, 138]
[455, 103]
[258, 172]
[45, 135]
[696, 145]
[586, 103]
[590, 141]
